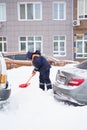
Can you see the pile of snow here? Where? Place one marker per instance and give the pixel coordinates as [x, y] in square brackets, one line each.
[33, 109]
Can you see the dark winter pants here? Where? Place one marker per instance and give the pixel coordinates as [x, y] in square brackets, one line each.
[44, 79]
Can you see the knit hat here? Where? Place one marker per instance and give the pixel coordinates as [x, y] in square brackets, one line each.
[37, 52]
[29, 55]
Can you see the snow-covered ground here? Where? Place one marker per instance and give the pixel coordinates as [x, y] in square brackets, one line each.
[33, 109]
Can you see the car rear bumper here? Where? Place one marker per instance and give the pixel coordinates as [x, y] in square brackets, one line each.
[70, 95]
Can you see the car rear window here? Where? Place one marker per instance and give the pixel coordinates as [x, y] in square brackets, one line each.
[82, 65]
[17, 57]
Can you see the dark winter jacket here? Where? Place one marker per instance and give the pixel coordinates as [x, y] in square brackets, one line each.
[41, 64]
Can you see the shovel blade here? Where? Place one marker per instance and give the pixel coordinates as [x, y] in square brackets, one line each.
[24, 85]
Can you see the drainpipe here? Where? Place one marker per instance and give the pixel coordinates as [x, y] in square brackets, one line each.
[73, 51]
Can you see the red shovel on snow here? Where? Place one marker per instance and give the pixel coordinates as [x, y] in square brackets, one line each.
[24, 85]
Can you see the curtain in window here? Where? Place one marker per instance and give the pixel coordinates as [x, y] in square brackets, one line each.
[61, 11]
[29, 11]
[2, 12]
[22, 11]
[81, 9]
[37, 11]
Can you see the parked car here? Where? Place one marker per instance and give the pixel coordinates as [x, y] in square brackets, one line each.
[17, 56]
[5, 89]
[71, 84]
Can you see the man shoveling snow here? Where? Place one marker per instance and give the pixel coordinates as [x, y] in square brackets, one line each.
[42, 65]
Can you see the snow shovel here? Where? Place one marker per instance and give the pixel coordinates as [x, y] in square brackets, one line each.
[24, 85]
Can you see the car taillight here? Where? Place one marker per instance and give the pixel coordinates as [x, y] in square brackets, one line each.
[3, 78]
[75, 82]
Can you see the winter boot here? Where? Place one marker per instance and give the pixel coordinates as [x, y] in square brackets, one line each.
[49, 86]
[42, 86]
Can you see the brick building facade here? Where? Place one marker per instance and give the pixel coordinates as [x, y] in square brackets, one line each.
[31, 24]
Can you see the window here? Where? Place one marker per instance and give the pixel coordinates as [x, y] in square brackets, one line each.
[3, 44]
[59, 10]
[81, 46]
[82, 9]
[2, 12]
[30, 43]
[59, 45]
[30, 11]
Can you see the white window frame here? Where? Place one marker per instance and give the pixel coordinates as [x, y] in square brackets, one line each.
[84, 14]
[84, 55]
[2, 14]
[33, 3]
[58, 4]
[59, 51]
[3, 43]
[27, 41]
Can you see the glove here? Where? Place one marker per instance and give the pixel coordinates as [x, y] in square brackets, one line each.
[33, 72]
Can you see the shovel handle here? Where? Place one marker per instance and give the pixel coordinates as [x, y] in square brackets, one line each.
[29, 78]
